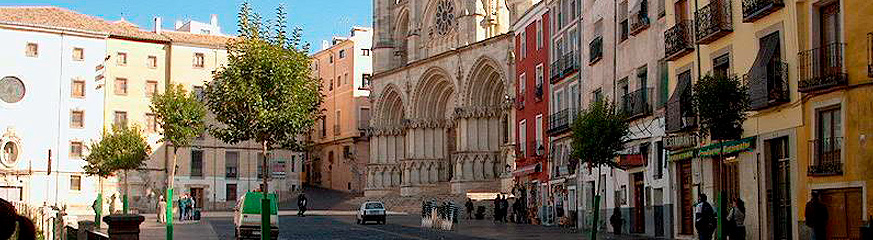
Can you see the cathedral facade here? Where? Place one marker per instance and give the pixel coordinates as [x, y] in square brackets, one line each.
[442, 98]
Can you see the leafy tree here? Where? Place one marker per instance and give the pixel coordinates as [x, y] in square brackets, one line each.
[182, 118]
[123, 149]
[265, 93]
[721, 103]
[598, 136]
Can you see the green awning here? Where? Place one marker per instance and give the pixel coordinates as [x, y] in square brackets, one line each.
[730, 147]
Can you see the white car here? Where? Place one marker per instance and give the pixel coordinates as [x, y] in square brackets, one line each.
[371, 211]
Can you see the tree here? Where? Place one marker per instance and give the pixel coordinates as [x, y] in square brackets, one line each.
[721, 103]
[182, 118]
[123, 149]
[598, 135]
[265, 93]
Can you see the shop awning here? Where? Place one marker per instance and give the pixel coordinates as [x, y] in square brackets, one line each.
[533, 168]
[729, 147]
[631, 161]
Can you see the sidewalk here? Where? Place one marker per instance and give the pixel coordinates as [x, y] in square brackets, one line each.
[214, 214]
[151, 229]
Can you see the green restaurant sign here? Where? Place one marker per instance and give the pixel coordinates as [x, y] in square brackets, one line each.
[729, 147]
[714, 150]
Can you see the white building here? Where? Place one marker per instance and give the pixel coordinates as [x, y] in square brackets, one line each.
[50, 110]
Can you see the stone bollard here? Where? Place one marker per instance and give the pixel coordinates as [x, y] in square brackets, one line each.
[124, 226]
[84, 227]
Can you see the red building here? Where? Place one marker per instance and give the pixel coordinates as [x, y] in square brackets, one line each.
[532, 98]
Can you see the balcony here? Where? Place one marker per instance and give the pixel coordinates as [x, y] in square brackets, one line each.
[826, 155]
[336, 130]
[768, 86]
[714, 21]
[678, 40]
[637, 103]
[595, 50]
[822, 68]
[564, 66]
[639, 21]
[757, 9]
[560, 122]
[536, 148]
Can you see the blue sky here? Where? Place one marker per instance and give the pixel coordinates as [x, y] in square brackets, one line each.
[320, 19]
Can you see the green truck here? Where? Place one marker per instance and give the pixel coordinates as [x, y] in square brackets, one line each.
[247, 216]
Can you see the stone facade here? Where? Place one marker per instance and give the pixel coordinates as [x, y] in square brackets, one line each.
[441, 97]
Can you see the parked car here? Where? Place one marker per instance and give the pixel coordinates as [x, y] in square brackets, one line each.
[247, 216]
[372, 211]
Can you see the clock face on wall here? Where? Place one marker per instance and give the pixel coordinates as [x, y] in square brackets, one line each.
[11, 89]
[445, 17]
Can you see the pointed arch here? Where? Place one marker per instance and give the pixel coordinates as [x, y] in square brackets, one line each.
[486, 84]
[390, 106]
[434, 94]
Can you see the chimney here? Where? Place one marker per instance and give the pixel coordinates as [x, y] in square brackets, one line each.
[178, 25]
[213, 19]
[158, 25]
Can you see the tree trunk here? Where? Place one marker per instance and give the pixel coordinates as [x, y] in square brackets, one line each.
[265, 202]
[171, 180]
[596, 206]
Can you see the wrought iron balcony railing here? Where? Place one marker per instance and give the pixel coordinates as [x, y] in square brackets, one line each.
[822, 68]
[561, 121]
[714, 21]
[679, 40]
[564, 66]
[768, 87]
[757, 9]
[595, 50]
[826, 157]
[639, 21]
[637, 103]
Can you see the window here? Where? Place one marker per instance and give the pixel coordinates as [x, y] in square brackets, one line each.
[559, 100]
[663, 83]
[829, 134]
[539, 81]
[151, 123]
[76, 183]
[521, 82]
[76, 149]
[346, 77]
[330, 60]
[659, 159]
[293, 163]
[597, 95]
[539, 27]
[539, 130]
[522, 44]
[198, 60]
[230, 192]
[623, 24]
[77, 119]
[152, 62]
[197, 163]
[330, 86]
[32, 50]
[120, 86]
[151, 88]
[231, 164]
[121, 59]
[78, 88]
[522, 137]
[342, 53]
[365, 52]
[78, 54]
[365, 80]
[721, 65]
[339, 81]
[120, 118]
[204, 31]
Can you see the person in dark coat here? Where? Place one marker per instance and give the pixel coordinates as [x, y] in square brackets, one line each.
[301, 204]
[504, 208]
[817, 216]
[704, 218]
[497, 207]
[469, 207]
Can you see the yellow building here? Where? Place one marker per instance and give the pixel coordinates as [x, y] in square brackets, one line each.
[754, 41]
[834, 152]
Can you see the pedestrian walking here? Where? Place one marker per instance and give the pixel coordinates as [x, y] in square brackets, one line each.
[735, 219]
[301, 205]
[817, 216]
[469, 207]
[191, 208]
[161, 209]
[704, 218]
[182, 207]
[504, 208]
[496, 207]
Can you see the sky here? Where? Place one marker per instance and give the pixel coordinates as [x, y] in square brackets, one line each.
[320, 19]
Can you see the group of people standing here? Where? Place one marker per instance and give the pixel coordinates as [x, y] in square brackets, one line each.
[706, 222]
[186, 207]
[501, 208]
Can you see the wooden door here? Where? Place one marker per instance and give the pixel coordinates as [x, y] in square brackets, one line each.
[197, 195]
[686, 208]
[844, 212]
[639, 204]
[780, 202]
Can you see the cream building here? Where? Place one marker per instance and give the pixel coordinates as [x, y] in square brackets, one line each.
[441, 94]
